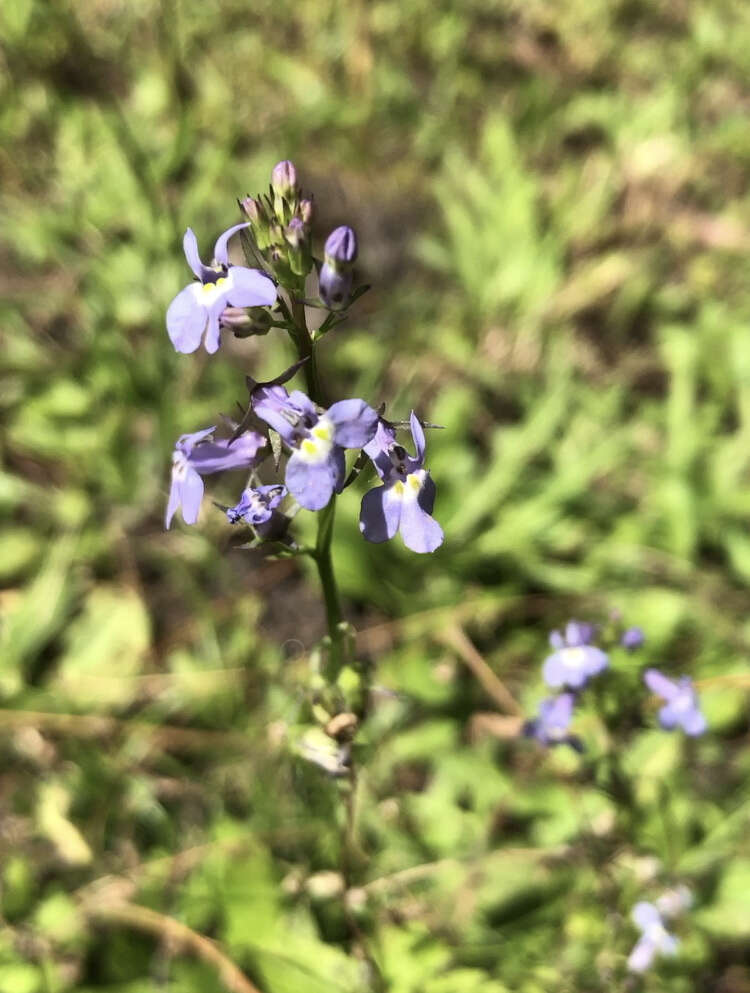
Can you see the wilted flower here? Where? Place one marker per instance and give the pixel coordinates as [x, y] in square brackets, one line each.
[317, 467]
[575, 660]
[551, 726]
[405, 500]
[199, 306]
[632, 638]
[681, 708]
[655, 939]
[256, 505]
[195, 456]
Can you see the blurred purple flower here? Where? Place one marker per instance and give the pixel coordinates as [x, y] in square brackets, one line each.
[551, 726]
[632, 638]
[196, 456]
[199, 306]
[575, 659]
[655, 939]
[405, 500]
[256, 505]
[317, 467]
[681, 708]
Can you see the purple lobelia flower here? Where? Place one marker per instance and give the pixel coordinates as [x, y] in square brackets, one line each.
[316, 468]
[256, 505]
[196, 456]
[654, 940]
[632, 638]
[681, 708]
[551, 726]
[405, 500]
[199, 306]
[575, 659]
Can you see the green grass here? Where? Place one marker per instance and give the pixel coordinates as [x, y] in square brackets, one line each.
[551, 200]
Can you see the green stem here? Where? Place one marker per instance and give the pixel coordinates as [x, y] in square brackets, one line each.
[324, 562]
[306, 350]
[326, 517]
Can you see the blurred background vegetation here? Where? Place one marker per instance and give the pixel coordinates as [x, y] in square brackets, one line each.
[551, 198]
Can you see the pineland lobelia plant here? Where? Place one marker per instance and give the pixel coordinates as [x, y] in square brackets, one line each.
[303, 435]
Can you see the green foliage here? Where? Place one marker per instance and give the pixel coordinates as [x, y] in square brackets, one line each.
[551, 200]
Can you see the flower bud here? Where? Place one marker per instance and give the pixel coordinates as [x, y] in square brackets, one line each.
[284, 179]
[252, 209]
[306, 211]
[255, 213]
[632, 638]
[341, 248]
[243, 324]
[300, 259]
[334, 286]
[295, 233]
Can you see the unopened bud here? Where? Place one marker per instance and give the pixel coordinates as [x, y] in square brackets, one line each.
[334, 287]
[342, 726]
[252, 209]
[306, 211]
[341, 248]
[632, 638]
[325, 885]
[255, 212]
[300, 259]
[244, 324]
[295, 233]
[284, 179]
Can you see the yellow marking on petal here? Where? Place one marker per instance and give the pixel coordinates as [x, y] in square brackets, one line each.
[323, 431]
[398, 487]
[414, 481]
[310, 447]
[208, 287]
[221, 280]
[574, 656]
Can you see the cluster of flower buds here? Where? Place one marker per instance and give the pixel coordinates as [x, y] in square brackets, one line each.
[280, 226]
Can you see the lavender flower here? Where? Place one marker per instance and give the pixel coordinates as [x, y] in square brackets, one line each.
[256, 505]
[405, 500]
[317, 467]
[654, 940]
[681, 707]
[195, 456]
[632, 638]
[551, 726]
[198, 307]
[574, 660]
